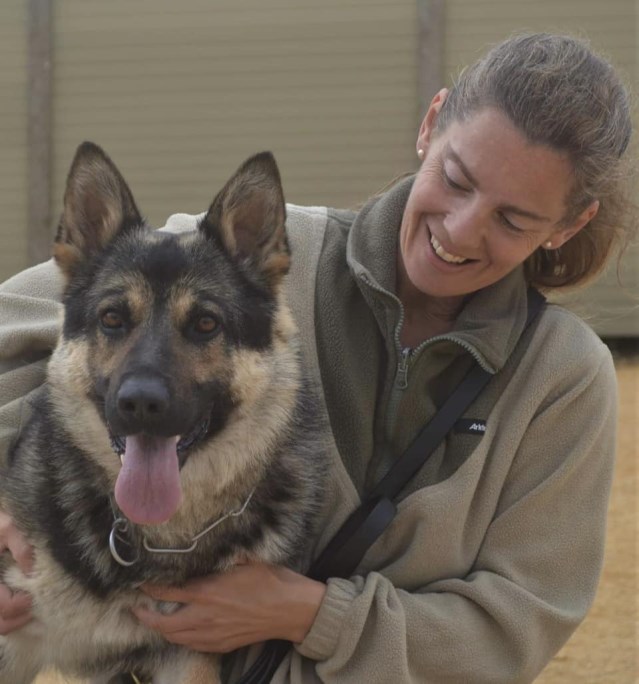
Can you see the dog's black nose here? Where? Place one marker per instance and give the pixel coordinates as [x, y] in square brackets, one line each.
[142, 401]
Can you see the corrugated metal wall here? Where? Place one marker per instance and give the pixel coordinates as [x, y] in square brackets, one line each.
[473, 24]
[180, 93]
[13, 136]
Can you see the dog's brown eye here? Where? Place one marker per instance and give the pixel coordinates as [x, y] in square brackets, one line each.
[111, 320]
[205, 325]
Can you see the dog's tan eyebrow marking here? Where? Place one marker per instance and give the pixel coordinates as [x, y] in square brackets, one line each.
[181, 305]
[114, 292]
[131, 291]
[185, 301]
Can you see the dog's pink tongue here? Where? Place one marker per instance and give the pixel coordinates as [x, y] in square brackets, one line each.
[148, 488]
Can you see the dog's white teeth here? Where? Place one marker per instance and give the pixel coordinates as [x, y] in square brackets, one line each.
[443, 254]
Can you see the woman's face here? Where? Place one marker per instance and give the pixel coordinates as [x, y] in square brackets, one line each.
[483, 200]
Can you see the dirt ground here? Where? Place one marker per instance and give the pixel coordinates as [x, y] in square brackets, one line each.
[605, 649]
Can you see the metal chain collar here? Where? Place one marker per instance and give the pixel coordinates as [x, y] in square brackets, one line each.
[121, 526]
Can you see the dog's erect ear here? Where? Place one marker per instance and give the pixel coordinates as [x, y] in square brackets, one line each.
[248, 216]
[97, 206]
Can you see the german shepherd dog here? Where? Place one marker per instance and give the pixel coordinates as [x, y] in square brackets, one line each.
[175, 435]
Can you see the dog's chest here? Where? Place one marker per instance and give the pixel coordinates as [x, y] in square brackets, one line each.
[72, 626]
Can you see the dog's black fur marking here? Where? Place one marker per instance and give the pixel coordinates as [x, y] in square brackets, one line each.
[248, 319]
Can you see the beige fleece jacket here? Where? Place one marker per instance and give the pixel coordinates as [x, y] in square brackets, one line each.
[494, 557]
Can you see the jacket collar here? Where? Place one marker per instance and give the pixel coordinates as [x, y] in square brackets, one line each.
[491, 320]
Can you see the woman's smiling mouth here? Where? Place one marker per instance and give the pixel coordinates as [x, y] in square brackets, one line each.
[443, 254]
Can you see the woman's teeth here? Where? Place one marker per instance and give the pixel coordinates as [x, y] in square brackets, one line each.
[443, 254]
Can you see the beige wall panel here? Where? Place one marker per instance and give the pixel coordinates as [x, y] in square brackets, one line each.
[612, 27]
[180, 93]
[13, 136]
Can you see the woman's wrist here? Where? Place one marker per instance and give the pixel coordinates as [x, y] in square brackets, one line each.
[302, 599]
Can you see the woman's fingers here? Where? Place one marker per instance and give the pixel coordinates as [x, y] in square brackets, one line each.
[15, 609]
[13, 540]
[21, 551]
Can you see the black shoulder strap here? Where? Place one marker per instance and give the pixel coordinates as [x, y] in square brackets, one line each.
[344, 552]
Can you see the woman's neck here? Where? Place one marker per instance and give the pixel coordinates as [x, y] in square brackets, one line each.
[422, 322]
[425, 316]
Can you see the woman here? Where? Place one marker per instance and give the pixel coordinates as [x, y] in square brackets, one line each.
[494, 556]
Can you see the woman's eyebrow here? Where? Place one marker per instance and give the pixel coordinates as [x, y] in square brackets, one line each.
[510, 209]
[450, 153]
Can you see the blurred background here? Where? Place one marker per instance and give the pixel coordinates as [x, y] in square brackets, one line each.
[179, 93]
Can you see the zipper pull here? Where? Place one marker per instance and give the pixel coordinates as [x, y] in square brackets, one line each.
[401, 379]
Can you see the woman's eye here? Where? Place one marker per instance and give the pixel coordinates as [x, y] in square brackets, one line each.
[511, 226]
[205, 325]
[111, 320]
[451, 183]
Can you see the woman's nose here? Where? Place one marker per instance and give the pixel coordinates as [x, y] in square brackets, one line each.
[465, 225]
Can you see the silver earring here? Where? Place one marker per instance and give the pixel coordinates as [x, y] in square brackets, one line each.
[421, 154]
[548, 244]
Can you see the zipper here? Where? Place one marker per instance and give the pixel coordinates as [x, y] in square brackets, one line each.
[401, 377]
[406, 354]
[397, 390]
[438, 338]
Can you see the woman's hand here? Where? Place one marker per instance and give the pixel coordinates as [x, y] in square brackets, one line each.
[15, 609]
[246, 605]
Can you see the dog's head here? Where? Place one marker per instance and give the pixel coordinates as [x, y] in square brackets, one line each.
[169, 336]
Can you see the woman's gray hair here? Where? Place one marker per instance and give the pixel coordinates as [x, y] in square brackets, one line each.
[560, 94]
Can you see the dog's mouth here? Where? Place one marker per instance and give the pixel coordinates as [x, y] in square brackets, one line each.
[184, 444]
[148, 489]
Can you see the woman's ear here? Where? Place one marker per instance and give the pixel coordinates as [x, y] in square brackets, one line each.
[563, 235]
[428, 124]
